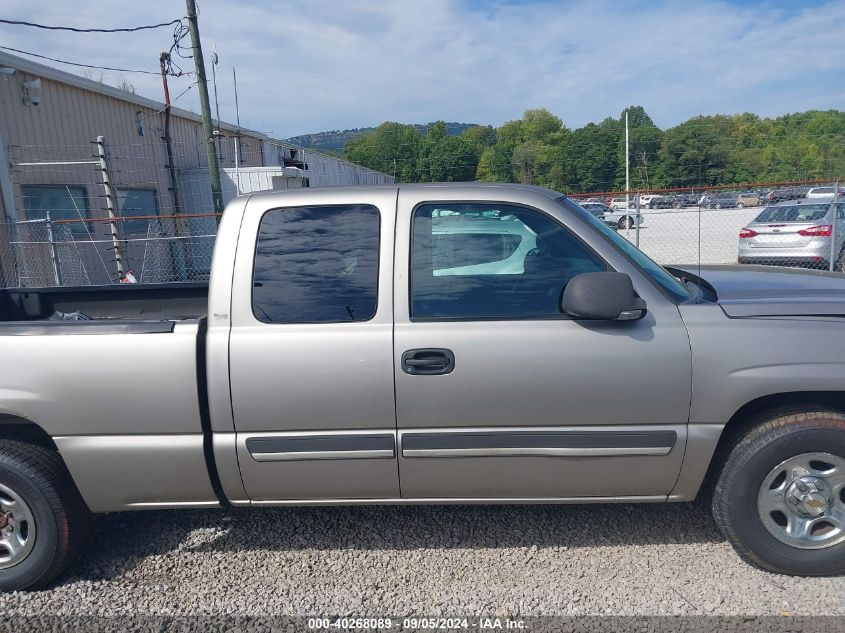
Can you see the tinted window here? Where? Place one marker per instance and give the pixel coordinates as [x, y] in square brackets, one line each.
[62, 202]
[491, 260]
[317, 265]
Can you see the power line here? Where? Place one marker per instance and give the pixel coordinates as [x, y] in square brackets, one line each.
[62, 61]
[77, 30]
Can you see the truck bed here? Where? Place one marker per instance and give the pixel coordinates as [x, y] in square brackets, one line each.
[112, 306]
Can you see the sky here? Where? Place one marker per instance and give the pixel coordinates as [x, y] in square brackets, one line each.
[312, 65]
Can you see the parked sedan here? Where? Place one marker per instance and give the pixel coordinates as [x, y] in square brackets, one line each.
[825, 192]
[646, 199]
[795, 234]
[598, 209]
[661, 202]
[721, 200]
[684, 200]
[612, 217]
[789, 193]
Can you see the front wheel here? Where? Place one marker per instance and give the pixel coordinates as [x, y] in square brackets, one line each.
[625, 223]
[780, 499]
[43, 520]
[740, 205]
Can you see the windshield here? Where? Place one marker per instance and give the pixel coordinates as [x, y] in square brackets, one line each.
[793, 213]
[654, 270]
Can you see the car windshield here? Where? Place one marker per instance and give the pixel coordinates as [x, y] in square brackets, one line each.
[793, 213]
[654, 270]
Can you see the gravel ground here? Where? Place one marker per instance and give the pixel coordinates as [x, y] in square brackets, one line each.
[401, 561]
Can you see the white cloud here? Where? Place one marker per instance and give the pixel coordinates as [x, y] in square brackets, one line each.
[322, 64]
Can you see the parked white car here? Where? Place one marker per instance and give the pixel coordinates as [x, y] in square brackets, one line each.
[824, 192]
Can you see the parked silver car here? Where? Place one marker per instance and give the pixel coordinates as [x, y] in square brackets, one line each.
[617, 215]
[796, 234]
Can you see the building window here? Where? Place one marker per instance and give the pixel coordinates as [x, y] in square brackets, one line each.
[490, 260]
[317, 265]
[63, 202]
[136, 203]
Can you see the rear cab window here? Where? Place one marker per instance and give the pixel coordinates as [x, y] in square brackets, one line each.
[317, 264]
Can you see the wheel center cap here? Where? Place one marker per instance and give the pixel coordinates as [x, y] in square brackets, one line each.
[814, 505]
[806, 496]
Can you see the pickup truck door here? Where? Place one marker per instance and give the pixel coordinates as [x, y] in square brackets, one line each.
[498, 394]
[311, 348]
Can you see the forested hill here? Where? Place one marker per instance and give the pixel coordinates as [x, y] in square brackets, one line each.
[541, 149]
[334, 140]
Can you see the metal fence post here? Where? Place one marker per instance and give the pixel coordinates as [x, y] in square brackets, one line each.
[833, 251]
[54, 255]
[111, 207]
[637, 225]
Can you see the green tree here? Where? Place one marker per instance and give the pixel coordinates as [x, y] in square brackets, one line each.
[444, 158]
[391, 148]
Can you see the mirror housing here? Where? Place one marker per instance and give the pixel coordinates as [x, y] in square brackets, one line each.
[607, 296]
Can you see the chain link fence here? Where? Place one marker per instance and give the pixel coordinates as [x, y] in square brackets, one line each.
[105, 213]
[42, 253]
[800, 226]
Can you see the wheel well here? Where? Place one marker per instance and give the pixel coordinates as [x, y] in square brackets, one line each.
[17, 428]
[761, 409]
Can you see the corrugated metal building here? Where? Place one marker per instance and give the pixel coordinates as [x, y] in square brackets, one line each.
[53, 201]
[51, 116]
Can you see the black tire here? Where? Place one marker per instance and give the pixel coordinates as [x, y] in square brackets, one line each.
[624, 223]
[782, 435]
[740, 205]
[62, 520]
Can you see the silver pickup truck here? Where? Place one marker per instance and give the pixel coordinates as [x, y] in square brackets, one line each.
[428, 344]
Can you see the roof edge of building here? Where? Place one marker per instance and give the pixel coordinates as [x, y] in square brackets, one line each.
[61, 76]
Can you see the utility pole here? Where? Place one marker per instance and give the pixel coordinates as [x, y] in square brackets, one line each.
[168, 144]
[205, 108]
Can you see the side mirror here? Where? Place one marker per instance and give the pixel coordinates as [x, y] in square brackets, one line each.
[608, 296]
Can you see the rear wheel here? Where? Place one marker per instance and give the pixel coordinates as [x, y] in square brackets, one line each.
[43, 520]
[740, 205]
[780, 498]
[625, 223]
